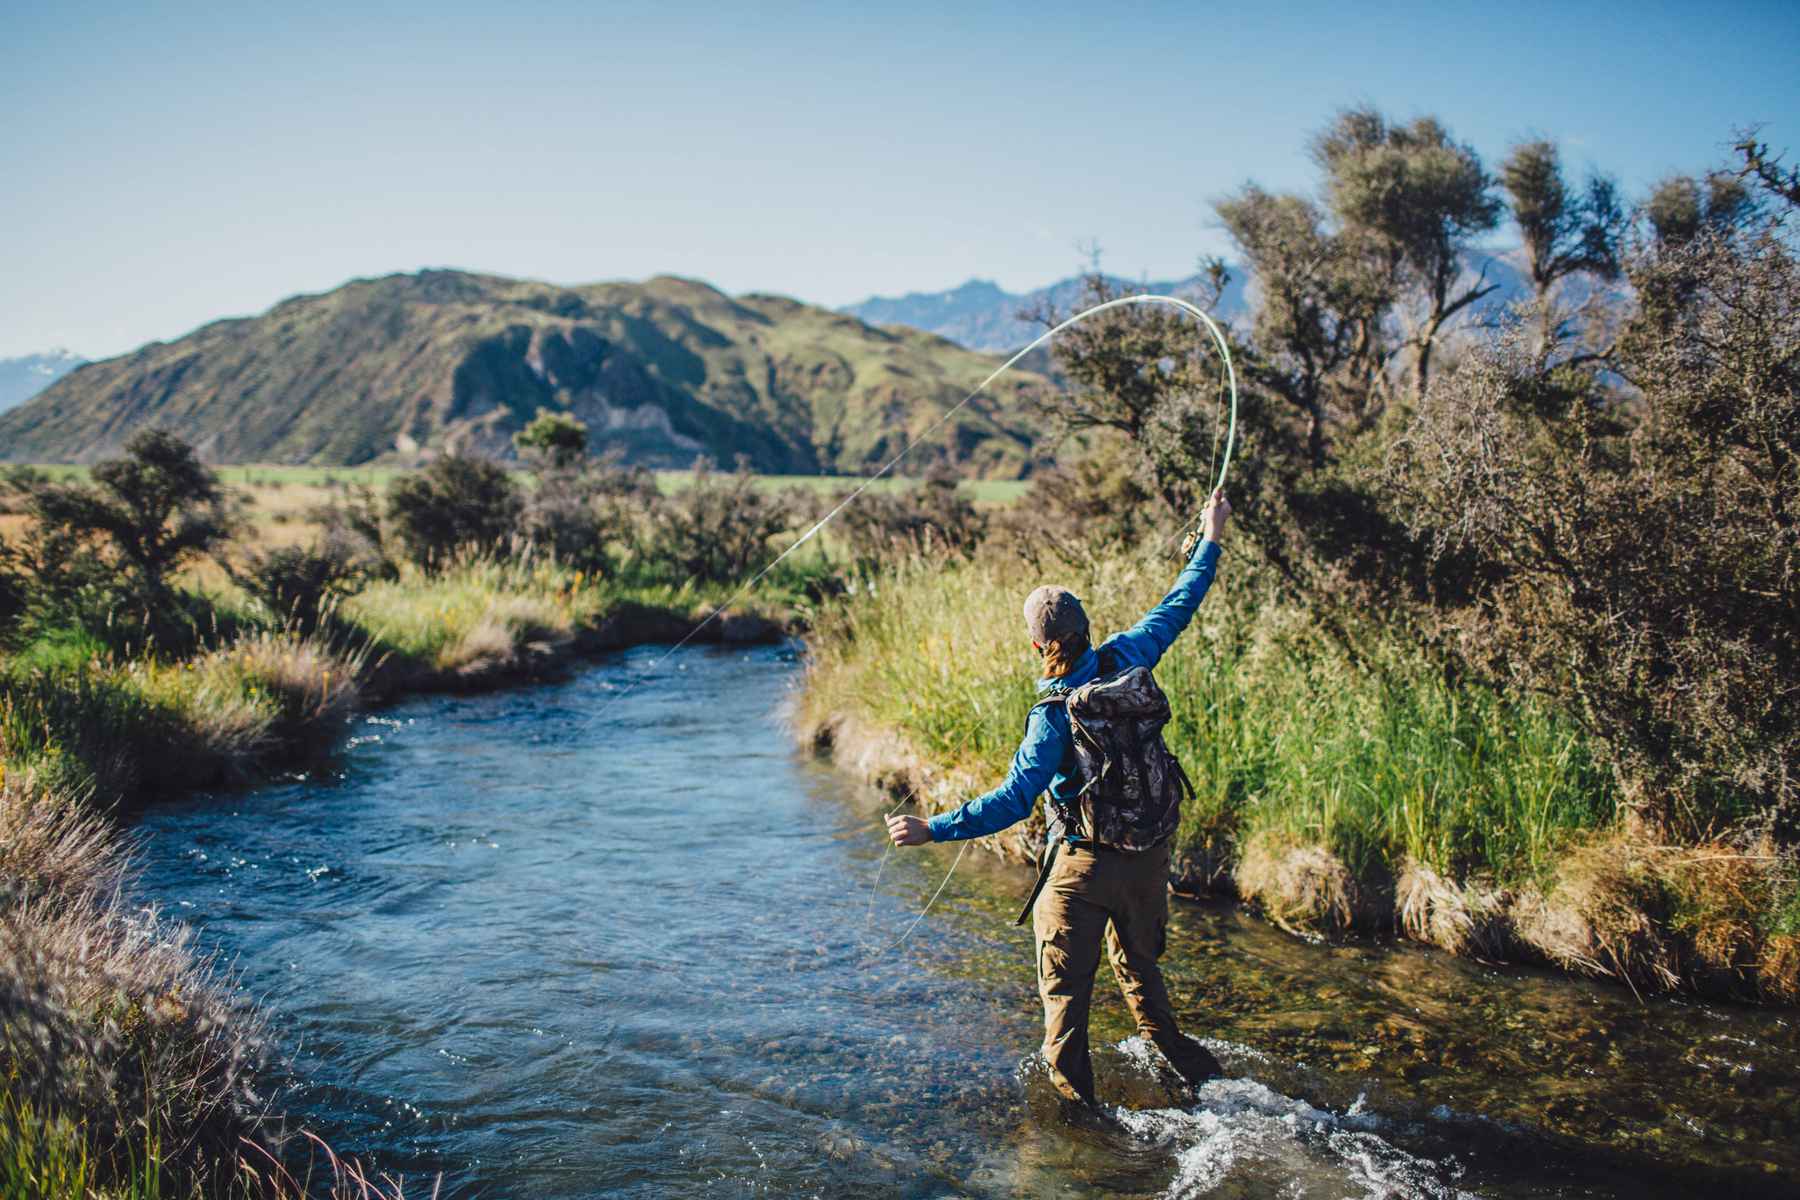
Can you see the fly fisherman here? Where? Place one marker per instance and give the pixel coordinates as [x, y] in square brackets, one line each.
[1093, 745]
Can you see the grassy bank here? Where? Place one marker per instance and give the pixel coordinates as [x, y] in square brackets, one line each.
[1333, 795]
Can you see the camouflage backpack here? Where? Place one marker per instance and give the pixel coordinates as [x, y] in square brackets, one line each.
[1132, 786]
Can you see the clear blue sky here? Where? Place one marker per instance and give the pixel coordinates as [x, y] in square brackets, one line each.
[168, 164]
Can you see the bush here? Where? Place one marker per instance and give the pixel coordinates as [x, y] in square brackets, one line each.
[457, 504]
[1636, 554]
[717, 530]
[553, 439]
[578, 511]
[931, 515]
[299, 585]
[100, 555]
[154, 509]
[1097, 507]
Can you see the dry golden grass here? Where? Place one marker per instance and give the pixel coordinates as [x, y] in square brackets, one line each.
[106, 1012]
[1778, 969]
[1305, 889]
[51, 843]
[1600, 916]
[1469, 918]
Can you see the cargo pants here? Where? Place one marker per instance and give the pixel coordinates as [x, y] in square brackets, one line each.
[1086, 892]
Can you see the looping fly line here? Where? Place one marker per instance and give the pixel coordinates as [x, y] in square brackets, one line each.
[1230, 381]
[1212, 328]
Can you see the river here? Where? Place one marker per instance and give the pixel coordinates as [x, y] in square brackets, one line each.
[549, 955]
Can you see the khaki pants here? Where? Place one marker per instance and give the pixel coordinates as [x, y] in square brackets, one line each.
[1087, 890]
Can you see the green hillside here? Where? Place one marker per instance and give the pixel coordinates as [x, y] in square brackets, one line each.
[390, 370]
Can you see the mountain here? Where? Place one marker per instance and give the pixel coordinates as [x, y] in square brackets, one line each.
[984, 316]
[393, 369]
[23, 378]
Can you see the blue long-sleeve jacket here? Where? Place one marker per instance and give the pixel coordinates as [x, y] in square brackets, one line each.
[1045, 757]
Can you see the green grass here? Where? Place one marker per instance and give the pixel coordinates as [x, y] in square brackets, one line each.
[1278, 730]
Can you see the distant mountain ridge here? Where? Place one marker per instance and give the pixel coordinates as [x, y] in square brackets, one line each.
[982, 315]
[24, 377]
[397, 368]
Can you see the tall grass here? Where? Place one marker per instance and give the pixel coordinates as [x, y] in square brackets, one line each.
[120, 730]
[483, 612]
[1280, 731]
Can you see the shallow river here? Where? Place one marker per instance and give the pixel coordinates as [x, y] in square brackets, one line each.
[550, 956]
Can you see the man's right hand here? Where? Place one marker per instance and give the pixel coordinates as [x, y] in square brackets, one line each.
[908, 831]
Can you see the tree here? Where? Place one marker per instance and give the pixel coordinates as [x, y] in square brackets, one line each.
[556, 439]
[1638, 556]
[152, 511]
[1148, 373]
[455, 504]
[1564, 233]
[1682, 207]
[1764, 167]
[1318, 322]
[1414, 199]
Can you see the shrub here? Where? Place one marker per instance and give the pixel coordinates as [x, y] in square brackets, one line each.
[931, 515]
[300, 584]
[1636, 555]
[577, 512]
[1099, 506]
[553, 439]
[456, 504]
[146, 513]
[718, 529]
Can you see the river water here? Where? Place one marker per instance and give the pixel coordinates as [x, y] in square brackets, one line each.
[552, 956]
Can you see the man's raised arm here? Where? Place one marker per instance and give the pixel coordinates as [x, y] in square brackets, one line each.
[1145, 643]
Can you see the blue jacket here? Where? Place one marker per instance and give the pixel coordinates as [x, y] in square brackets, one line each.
[1045, 760]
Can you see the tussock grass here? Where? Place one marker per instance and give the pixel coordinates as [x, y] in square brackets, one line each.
[126, 1058]
[128, 1069]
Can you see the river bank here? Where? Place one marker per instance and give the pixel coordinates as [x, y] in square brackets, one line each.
[1333, 798]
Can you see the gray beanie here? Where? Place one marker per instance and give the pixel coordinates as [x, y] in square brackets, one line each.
[1054, 614]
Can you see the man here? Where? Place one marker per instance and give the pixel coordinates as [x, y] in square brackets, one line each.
[1088, 885]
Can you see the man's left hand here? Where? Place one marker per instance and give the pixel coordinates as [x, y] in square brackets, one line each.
[908, 831]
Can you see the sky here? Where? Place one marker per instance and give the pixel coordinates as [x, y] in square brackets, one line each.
[166, 164]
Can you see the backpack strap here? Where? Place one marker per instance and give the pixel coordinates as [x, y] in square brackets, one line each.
[1064, 816]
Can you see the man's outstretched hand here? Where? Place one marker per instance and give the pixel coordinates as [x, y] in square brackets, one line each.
[1218, 511]
[908, 831]
[1212, 523]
